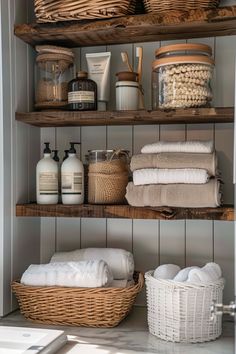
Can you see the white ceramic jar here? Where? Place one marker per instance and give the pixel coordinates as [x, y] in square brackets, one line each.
[127, 95]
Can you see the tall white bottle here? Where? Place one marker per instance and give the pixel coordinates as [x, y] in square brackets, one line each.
[47, 179]
[72, 179]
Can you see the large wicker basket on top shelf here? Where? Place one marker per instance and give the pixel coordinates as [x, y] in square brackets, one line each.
[67, 10]
[158, 6]
[89, 307]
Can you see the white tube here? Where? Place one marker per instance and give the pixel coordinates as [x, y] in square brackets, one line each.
[99, 71]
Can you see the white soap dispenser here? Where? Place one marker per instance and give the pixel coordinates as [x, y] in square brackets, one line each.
[47, 178]
[72, 178]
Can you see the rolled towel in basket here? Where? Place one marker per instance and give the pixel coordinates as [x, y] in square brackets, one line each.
[166, 271]
[175, 195]
[203, 147]
[121, 262]
[183, 274]
[207, 162]
[209, 273]
[167, 176]
[86, 274]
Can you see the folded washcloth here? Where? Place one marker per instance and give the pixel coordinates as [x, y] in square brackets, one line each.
[183, 274]
[166, 271]
[207, 162]
[167, 176]
[87, 274]
[175, 195]
[203, 147]
[209, 273]
[121, 262]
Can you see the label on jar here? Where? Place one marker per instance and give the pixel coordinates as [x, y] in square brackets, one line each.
[71, 183]
[48, 183]
[81, 97]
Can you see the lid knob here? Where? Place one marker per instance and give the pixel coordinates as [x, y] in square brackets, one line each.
[47, 149]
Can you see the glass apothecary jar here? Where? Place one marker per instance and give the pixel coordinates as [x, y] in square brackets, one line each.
[181, 76]
[54, 70]
[108, 176]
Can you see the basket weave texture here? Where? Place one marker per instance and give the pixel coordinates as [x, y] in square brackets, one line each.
[158, 6]
[89, 307]
[67, 10]
[180, 312]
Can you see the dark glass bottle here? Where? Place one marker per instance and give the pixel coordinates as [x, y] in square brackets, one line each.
[82, 93]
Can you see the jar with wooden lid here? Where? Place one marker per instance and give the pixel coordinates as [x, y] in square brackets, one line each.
[108, 176]
[181, 76]
[54, 69]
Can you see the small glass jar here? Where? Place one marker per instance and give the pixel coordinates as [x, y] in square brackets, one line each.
[108, 176]
[82, 93]
[53, 72]
[182, 76]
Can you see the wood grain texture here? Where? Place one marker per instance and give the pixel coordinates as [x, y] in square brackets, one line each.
[139, 28]
[124, 211]
[177, 116]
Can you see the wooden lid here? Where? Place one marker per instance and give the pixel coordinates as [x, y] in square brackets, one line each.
[45, 49]
[187, 59]
[193, 47]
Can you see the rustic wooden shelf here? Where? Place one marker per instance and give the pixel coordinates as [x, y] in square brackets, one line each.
[124, 211]
[65, 118]
[138, 28]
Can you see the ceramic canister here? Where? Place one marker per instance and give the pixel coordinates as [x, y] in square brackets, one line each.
[127, 95]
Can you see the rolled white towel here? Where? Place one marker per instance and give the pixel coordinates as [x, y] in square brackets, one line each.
[214, 270]
[167, 176]
[183, 274]
[121, 262]
[179, 146]
[121, 283]
[166, 271]
[199, 276]
[86, 274]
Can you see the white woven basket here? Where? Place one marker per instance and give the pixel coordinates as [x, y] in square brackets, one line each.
[180, 312]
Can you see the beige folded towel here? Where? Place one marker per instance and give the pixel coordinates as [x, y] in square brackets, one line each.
[175, 195]
[175, 160]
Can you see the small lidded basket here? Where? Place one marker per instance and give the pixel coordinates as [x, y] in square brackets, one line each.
[108, 176]
[54, 70]
[181, 76]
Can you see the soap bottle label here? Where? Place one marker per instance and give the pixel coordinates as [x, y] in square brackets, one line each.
[71, 183]
[81, 97]
[48, 183]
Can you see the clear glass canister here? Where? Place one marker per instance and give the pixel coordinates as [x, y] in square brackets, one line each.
[181, 76]
[108, 176]
[53, 73]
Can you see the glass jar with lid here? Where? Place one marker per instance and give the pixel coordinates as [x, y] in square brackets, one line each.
[54, 70]
[108, 176]
[181, 76]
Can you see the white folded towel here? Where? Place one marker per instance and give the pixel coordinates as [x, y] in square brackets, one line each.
[183, 274]
[121, 262]
[168, 176]
[86, 274]
[209, 273]
[121, 283]
[166, 271]
[204, 147]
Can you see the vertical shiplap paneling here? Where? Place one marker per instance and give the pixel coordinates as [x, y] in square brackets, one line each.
[48, 225]
[93, 232]
[224, 255]
[68, 234]
[119, 234]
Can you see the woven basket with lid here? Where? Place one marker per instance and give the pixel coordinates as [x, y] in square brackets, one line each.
[158, 6]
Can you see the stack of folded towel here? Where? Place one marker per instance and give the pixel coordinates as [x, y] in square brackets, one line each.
[211, 272]
[90, 267]
[175, 174]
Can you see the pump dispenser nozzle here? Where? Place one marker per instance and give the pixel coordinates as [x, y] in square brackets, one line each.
[72, 148]
[56, 157]
[66, 154]
[47, 149]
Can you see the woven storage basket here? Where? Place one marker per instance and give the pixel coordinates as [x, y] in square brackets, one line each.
[180, 312]
[89, 307]
[67, 10]
[158, 6]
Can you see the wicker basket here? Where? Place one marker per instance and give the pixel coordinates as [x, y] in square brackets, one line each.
[180, 312]
[67, 10]
[158, 6]
[89, 307]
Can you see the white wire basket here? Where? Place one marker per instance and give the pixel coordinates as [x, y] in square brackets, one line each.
[180, 311]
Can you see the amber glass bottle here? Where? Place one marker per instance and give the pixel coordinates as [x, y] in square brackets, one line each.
[82, 93]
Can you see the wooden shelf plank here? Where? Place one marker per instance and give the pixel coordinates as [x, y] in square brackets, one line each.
[124, 211]
[65, 118]
[137, 28]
